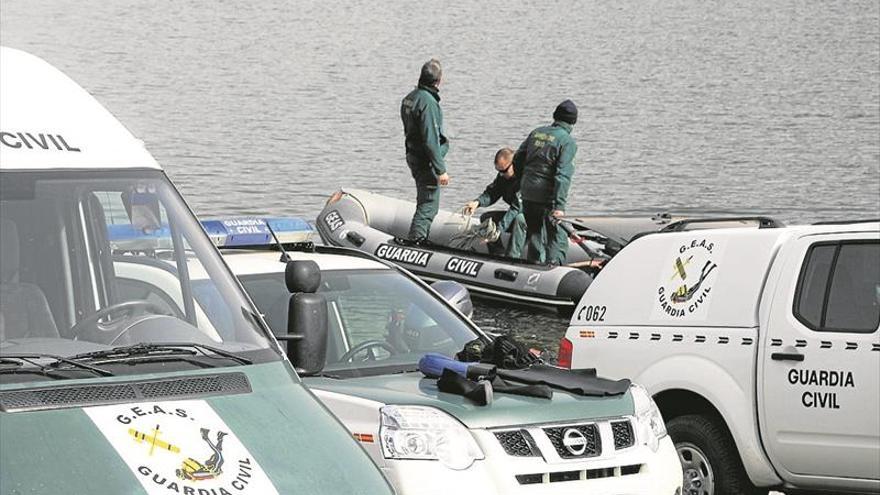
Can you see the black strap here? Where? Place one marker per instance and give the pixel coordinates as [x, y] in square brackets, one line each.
[453, 383]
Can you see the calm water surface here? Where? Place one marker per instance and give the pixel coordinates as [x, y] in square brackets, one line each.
[267, 107]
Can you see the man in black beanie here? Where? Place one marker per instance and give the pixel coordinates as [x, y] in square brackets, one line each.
[547, 160]
[426, 147]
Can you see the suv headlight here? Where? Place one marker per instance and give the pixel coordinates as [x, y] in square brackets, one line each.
[651, 428]
[419, 432]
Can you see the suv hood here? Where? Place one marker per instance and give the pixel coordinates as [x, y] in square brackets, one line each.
[275, 438]
[505, 410]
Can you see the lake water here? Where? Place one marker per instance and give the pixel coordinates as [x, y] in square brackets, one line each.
[268, 107]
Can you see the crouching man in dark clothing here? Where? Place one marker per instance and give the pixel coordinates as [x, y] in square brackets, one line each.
[548, 155]
[426, 147]
[506, 187]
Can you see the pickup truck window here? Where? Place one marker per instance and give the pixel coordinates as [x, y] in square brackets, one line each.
[812, 284]
[839, 287]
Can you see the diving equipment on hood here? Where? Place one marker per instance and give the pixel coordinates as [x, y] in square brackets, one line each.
[503, 352]
[475, 381]
[481, 392]
[581, 382]
[503, 360]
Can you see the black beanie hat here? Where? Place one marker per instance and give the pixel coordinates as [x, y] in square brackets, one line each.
[567, 111]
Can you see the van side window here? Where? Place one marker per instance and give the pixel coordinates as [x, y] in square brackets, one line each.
[839, 287]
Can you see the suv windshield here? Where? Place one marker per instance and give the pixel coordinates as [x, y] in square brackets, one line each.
[96, 261]
[380, 320]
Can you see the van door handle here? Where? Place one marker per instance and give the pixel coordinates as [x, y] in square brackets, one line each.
[787, 356]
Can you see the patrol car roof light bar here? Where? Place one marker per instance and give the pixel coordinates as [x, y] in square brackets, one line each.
[256, 233]
[762, 221]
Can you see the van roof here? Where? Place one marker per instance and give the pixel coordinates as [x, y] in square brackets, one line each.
[699, 278]
[47, 121]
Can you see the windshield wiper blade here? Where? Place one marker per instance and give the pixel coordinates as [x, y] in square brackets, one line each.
[162, 349]
[53, 366]
[36, 370]
[323, 374]
[405, 370]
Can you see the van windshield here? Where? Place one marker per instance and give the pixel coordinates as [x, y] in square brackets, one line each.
[97, 261]
[380, 321]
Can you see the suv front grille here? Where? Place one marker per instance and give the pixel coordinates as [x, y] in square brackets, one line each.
[623, 434]
[517, 443]
[575, 441]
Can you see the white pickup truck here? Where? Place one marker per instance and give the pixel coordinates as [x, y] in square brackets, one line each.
[760, 346]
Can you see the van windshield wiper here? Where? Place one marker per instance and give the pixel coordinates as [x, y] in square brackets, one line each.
[49, 369]
[162, 350]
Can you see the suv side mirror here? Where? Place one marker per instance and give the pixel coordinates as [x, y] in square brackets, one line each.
[306, 317]
[456, 294]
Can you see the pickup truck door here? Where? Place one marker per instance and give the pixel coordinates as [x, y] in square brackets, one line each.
[819, 368]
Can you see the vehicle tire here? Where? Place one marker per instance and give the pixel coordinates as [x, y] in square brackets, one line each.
[709, 458]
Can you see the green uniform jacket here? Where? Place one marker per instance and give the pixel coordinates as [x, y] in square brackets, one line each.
[547, 161]
[508, 190]
[426, 146]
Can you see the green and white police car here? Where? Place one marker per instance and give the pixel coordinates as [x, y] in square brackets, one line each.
[381, 321]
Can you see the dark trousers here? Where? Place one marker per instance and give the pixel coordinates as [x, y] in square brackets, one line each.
[545, 241]
[517, 231]
[427, 206]
[427, 198]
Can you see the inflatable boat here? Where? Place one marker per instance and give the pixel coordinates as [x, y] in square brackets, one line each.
[379, 224]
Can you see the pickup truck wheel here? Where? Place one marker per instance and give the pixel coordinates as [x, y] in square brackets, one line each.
[709, 459]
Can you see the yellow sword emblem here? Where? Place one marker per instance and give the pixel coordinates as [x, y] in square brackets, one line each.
[153, 440]
[679, 268]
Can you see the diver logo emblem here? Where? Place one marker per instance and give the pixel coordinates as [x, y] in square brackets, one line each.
[211, 468]
[180, 447]
[574, 441]
[686, 285]
[684, 293]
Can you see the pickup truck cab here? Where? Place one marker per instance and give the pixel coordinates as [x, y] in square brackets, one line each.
[382, 320]
[760, 346]
[105, 386]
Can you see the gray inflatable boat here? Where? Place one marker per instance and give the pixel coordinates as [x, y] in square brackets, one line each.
[376, 224]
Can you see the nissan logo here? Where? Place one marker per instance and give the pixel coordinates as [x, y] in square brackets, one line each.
[574, 441]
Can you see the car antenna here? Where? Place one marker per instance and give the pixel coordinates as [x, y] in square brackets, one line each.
[284, 256]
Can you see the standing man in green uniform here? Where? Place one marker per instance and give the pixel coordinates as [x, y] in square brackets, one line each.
[426, 147]
[548, 155]
[506, 187]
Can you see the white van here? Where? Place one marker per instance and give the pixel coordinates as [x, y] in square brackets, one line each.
[103, 387]
[760, 346]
